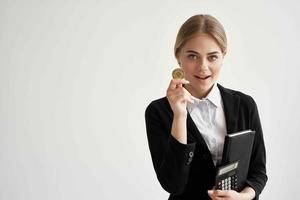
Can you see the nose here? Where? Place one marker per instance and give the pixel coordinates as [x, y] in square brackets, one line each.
[203, 66]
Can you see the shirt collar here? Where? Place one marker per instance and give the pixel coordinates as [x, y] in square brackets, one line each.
[214, 96]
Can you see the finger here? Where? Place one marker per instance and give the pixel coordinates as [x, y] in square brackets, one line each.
[171, 94]
[210, 193]
[220, 198]
[182, 98]
[174, 82]
[175, 93]
[189, 96]
[186, 91]
[221, 193]
[213, 196]
[178, 91]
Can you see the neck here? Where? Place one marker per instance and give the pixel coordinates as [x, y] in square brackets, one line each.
[198, 93]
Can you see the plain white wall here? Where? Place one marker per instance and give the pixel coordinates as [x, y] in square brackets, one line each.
[76, 77]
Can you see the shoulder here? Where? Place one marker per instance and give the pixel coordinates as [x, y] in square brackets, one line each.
[244, 99]
[159, 112]
[158, 105]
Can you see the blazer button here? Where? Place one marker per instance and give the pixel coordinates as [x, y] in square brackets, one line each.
[189, 160]
[191, 154]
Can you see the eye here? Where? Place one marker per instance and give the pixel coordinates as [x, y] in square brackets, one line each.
[212, 58]
[192, 57]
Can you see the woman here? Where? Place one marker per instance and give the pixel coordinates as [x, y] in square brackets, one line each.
[186, 129]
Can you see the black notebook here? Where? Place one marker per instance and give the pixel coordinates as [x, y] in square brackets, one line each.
[238, 147]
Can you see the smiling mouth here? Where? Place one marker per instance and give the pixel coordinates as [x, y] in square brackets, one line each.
[202, 77]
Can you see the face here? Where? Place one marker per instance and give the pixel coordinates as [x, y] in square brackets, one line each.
[201, 59]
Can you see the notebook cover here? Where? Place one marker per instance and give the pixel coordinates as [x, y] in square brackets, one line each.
[238, 147]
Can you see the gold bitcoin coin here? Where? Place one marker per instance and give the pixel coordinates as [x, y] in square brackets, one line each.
[178, 73]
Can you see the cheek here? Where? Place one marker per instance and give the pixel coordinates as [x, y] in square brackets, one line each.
[215, 69]
[189, 67]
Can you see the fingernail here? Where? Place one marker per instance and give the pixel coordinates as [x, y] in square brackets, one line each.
[209, 191]
[187, 81]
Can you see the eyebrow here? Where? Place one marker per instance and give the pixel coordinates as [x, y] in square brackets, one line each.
[210, 53]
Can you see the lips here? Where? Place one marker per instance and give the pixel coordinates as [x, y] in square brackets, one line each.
[202, 77]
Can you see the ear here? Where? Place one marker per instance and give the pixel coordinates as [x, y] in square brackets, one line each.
[178, 58]
[179, 63]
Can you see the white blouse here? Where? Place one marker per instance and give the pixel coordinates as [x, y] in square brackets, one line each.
[208, 115]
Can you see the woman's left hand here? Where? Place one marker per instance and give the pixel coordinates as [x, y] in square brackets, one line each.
[225, 195]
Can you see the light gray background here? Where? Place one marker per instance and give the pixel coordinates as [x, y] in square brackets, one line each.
[76, 77]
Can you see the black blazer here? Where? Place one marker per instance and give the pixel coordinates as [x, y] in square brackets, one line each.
[187, 171]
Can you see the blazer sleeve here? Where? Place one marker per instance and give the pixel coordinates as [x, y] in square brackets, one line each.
[257, 176]
[171, 159]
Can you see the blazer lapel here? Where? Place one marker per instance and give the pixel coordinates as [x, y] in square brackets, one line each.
[231, 104]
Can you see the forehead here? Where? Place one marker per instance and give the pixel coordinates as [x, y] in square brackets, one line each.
[202, 43]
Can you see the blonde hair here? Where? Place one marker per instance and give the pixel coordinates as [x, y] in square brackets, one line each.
[197, 24]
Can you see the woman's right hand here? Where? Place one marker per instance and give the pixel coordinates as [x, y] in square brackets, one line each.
[178, 97]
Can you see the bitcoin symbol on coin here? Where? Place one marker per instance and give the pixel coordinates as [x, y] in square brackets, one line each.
[178, 73]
